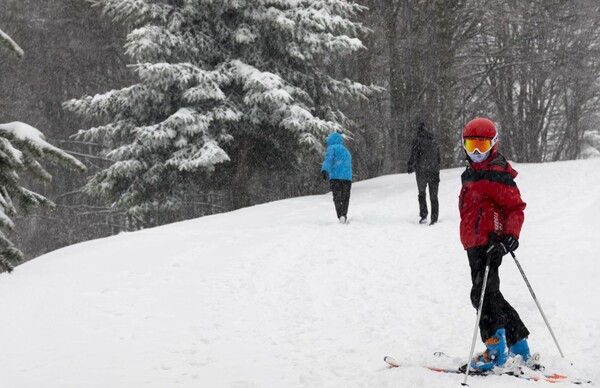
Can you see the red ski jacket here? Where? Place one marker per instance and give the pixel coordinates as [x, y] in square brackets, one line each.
[490, 202]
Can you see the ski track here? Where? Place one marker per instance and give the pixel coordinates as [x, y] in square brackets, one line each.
[282, 295]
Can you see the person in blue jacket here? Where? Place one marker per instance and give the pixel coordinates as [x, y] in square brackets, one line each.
[337, 167]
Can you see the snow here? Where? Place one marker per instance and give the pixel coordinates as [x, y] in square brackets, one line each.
[24, 132]
[282, 295]
[8, 43]
[591, 145]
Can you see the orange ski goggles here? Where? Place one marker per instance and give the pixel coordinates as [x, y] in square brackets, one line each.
[481, 144]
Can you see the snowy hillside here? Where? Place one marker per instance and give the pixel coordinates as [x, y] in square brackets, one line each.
[281, 295]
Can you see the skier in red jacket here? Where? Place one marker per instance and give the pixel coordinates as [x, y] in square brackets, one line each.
[491, 216]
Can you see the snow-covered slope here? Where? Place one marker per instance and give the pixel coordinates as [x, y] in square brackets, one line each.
[282, 295]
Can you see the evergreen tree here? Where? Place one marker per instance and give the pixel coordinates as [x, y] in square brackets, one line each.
[21, 149]
[226, 88]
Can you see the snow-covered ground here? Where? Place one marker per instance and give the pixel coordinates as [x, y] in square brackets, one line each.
[282, 295]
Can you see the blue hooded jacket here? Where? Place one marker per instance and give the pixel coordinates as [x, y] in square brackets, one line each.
[338, 161]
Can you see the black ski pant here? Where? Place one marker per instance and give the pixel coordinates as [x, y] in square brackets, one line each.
[496, 312]
[423, 180]
[341, 195]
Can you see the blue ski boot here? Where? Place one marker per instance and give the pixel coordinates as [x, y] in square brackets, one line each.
[521, 349]
[495, 354]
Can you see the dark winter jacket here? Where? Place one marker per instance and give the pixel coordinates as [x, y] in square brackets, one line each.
[490, 203]
[425, 155]
[338, 161]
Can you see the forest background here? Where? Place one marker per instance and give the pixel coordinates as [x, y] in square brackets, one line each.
[531, 66]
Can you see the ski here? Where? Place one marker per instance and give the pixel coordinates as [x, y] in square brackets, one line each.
[518, 372]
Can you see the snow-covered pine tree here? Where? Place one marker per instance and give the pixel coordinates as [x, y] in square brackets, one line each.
[237, 81]
[21, 148]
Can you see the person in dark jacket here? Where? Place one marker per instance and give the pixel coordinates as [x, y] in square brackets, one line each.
[491, 217]
[337, 167]
[425, 162]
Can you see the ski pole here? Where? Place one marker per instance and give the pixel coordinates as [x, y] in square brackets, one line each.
[485, 277]
[537, 303]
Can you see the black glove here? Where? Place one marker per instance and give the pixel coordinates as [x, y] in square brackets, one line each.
[510, 243]
[410, 169]
[495, 252]
[498, 249]
[324, 175]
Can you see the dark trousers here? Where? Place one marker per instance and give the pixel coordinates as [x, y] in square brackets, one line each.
[341, 195]
[422, 181]
[496, 312]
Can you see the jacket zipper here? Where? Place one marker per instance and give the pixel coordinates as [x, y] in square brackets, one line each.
[477, 221]
[464, 194]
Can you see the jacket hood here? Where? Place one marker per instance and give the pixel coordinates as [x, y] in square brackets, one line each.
[425, 133]
[335, 138]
